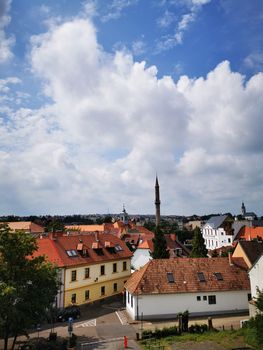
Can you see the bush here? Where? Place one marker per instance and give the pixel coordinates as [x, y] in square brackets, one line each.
[198, 328]
[160, 333]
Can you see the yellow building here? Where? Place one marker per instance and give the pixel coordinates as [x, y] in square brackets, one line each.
[94, 265]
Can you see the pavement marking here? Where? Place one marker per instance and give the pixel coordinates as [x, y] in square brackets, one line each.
[101, 341]
[122, 317]
[91, 323]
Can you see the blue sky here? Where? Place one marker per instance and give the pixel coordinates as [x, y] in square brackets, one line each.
[98, 96]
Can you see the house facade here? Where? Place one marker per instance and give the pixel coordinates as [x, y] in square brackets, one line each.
[217, 232]
[91, 266]
[256, 281]
[165, 287]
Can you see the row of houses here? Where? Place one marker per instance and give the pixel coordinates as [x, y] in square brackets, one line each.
[96, 265]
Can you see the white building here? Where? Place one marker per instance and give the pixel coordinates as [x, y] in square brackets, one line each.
[217, 232]
[256, 281]
[165, 287]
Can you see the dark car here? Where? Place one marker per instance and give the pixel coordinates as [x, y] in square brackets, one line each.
[70, 311]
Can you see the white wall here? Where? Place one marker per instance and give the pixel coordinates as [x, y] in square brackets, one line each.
[256, 277]
[216, 238]
[140, 258]
[169, 305]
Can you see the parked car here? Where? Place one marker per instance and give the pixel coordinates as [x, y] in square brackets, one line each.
[70, 311]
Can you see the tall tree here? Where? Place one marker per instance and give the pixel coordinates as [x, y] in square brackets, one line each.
[159, 245]
[199, 250]
[28, 284]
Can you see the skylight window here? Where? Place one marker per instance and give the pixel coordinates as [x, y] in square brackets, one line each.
[218, 276]
[118, 248]
[72, 253]
[170, 277]
[201, 277]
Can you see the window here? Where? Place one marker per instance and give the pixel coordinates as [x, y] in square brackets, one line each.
[249, 297]
[114, 267]
[102, 290]
[99, 251]
[204, 297]
[115, 287]
[73, 275]
[72, 253]
[118, 248]
[229, 240]
[128, 298]
[198, 298]
[86, 294]
[131, 301]
[170, 277]
[86, 272]
[218, 276]
[73, 298]
[211, 299]
[124, 265]
[201, 277]
[102, 269]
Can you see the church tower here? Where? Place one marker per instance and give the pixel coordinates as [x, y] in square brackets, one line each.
[157, 203]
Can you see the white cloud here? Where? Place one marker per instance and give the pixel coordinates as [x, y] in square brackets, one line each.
[166, 20]
[138, 47]
[192, 7]
[116, 8]
[5, 42]
[113, 123]
[254, 61]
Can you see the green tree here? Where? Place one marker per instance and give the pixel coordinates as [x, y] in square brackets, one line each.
[159, 245]
[199, 250]
[28, 284]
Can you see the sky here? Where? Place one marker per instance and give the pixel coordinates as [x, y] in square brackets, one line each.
[97, 97]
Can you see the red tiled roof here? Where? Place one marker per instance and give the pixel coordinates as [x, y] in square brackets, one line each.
[63, 243]
[249, 233]
[48, 248]
[152, 278]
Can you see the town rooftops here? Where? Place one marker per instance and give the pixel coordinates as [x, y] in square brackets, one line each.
[190, 275]
[80, 249]
[216, 221]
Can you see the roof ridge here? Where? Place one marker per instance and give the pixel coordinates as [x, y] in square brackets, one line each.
[143, 271]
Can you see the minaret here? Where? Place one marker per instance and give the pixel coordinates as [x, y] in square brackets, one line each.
[157, 203]
[243, 209]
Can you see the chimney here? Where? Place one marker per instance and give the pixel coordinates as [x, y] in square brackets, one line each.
[53, 236]
[230, 259]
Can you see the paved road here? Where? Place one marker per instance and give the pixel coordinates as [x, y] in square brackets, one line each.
[105, 325]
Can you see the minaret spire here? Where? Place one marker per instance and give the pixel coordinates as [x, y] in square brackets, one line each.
[157, 203]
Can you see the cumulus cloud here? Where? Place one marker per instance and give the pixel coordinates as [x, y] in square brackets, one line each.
[5, 42]
[112, 123]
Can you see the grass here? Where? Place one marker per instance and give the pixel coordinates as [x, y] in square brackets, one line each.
[228, 339]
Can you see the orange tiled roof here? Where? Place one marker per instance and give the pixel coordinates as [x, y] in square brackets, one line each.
[152, 278]
[146, 244]
[249, 233]
[28, 226]
[64, 243]
[85, 228]
[48, 248]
